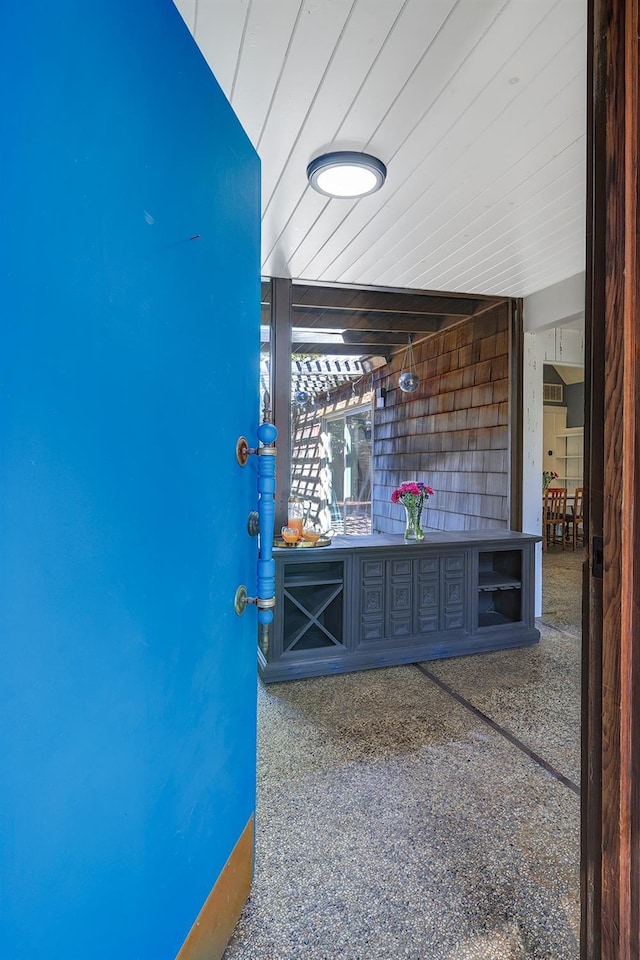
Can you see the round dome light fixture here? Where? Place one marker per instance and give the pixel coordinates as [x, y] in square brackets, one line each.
[346, 174]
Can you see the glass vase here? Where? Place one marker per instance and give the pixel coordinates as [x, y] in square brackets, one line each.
[413, 512]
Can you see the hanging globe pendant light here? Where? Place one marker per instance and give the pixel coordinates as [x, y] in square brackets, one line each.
[409, 381]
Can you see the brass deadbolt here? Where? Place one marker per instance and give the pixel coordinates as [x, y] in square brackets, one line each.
[242, 451]
[240, 600]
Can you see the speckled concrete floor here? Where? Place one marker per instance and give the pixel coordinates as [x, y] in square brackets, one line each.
[562, 589]
[395, 821]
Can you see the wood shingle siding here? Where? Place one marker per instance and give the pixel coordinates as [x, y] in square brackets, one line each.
[453, 433]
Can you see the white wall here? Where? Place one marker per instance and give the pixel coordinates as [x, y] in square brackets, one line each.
[532, 452]
[554, 333]
[559, 304]
[562, 345]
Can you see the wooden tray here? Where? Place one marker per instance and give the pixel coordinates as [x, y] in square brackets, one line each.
[302, 544]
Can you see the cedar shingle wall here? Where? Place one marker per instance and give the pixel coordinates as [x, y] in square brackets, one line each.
[453, 433]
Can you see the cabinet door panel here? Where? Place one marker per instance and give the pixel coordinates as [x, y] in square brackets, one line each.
[454, 564]
[371, 616]
[372, 599]
[371, 630]
[400, 627]
[400, 598]
[454, 619]
[453, 614]
[400, 568]
[428, 594]
[427, 623]
[372, 569]
[453, 591]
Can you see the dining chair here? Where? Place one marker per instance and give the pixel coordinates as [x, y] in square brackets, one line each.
[575, 520]
[554, 516]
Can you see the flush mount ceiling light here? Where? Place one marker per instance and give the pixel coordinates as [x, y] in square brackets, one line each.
[346, 174]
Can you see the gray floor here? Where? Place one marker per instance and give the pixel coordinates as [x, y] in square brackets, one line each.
[426, 811]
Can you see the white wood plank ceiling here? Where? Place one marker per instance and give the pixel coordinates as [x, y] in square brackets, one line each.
[477, 107]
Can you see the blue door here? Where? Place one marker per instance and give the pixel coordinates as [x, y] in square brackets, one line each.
[129, 303]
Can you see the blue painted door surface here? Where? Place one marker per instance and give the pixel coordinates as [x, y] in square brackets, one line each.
[129, 305]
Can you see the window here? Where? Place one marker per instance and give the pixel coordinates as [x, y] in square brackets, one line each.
[347, 461]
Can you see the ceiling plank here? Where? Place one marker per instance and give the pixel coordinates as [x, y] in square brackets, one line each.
[477, 109]
[219, 29]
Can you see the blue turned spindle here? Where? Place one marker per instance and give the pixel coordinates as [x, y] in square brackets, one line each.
[267, 434]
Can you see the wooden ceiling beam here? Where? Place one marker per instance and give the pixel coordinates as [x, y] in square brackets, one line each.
[343, 349]
[402, 301]
[396, 337]
[413, 306]
[383, 322]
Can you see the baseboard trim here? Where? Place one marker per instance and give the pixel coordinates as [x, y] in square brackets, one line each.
[215, 923]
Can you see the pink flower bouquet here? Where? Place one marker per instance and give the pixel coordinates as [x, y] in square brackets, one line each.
[409, 493]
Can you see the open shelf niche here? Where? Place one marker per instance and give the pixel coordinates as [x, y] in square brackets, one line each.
[499, 587]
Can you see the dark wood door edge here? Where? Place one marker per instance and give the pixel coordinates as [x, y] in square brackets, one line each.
[611, 705]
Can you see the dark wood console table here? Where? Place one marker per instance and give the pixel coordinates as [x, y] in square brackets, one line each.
[376, 601]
